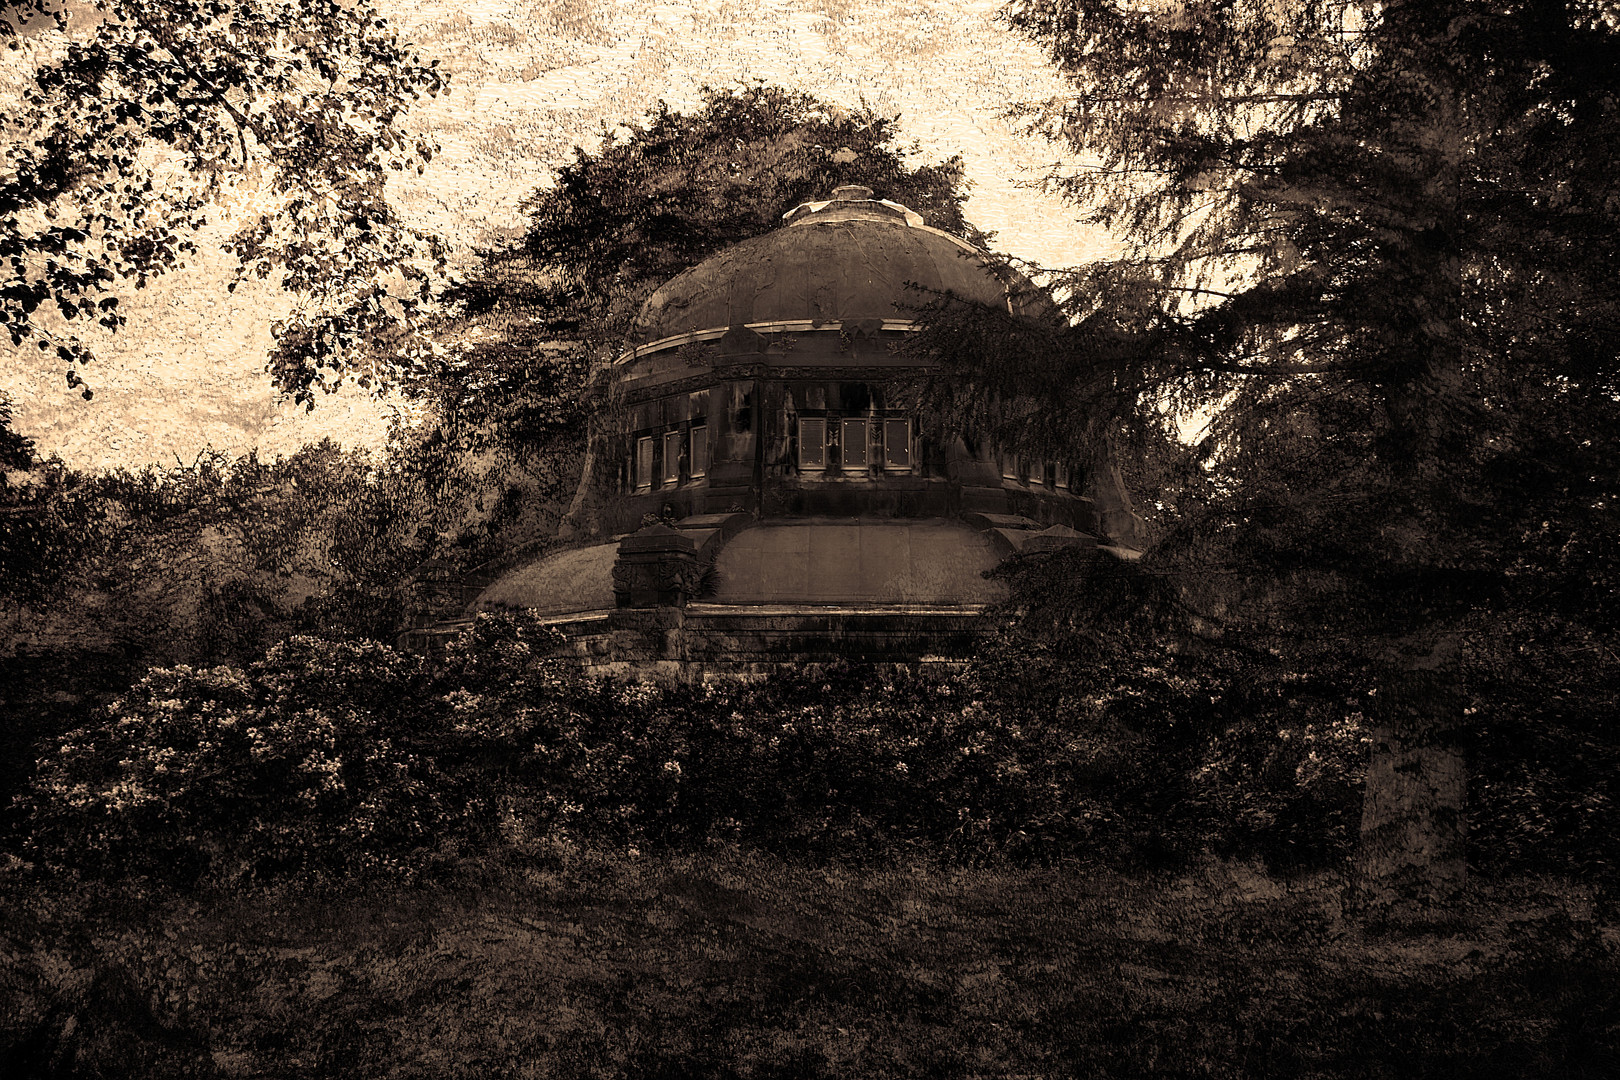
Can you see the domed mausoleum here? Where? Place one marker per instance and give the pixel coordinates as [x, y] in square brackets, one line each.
[760, 413]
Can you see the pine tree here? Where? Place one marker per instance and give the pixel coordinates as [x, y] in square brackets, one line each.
[1376, 242]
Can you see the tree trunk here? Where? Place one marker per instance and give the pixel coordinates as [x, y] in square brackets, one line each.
[583, 517]
[1117, 520]
[1412, 861]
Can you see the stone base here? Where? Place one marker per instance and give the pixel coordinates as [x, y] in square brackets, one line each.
[710, 641]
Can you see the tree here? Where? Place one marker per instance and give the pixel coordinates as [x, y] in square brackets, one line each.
[140, 114]
[680, 187]
[16, 449]
[1376, 242]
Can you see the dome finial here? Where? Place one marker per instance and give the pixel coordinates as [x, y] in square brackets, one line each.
[852, 193]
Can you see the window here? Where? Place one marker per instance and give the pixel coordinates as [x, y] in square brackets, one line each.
[897, 444]
[852, 449]
[700, 450]
[1009, 467]
[1062, 477]
[644, 462]
[672, 457]
[812, 444]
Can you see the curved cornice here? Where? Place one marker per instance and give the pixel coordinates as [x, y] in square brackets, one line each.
[703, 380]
[788, 326]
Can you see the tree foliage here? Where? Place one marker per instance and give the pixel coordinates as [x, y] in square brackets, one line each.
[1374, 239]
[677, 188]
[1372, 245]
[140, 116]
[16, 449]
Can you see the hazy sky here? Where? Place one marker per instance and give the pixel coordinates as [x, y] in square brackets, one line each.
[530, 80]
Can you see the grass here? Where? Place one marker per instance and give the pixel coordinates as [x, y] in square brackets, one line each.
[733, 964]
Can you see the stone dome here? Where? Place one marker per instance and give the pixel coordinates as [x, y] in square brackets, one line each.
[849, 258]
[771, 495]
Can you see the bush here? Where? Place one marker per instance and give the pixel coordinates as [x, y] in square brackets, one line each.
[334, 757]
[315, 761]
[1036, 760]
[849, 762]
[339, 757]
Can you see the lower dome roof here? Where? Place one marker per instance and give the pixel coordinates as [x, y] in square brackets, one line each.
[929, 562]
[562, 583]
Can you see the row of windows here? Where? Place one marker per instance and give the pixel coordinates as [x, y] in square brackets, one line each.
[691, 444]
[851, 445]
[1034, 472]
[854, 444]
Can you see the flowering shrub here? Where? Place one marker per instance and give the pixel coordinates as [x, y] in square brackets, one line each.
[1038, 761]
[845, 761]
[312, 761]
[331, 757]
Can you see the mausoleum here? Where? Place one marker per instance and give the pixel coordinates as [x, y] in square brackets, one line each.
[758, 488]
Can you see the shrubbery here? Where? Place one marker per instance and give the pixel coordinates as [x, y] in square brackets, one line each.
[103, 576]
[328, 758]
[317, 760]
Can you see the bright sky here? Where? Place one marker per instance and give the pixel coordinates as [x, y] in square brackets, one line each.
[530, 80]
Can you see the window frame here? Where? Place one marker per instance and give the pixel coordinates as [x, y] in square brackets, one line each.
[865, 426]
[670, 474]
[906, 439]
[698, 463]
[821, 444]
[642, 478]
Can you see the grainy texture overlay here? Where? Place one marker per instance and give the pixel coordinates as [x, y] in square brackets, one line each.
[528, 83]
[832, 538]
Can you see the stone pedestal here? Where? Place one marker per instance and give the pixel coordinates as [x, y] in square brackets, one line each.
[657, 568]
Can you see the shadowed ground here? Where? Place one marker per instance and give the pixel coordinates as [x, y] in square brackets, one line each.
[731, 965]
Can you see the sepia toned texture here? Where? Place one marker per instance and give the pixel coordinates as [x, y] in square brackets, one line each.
[527, 83]
[730, 667]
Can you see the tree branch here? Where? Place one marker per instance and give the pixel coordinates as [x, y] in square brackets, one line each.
[244, 123]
